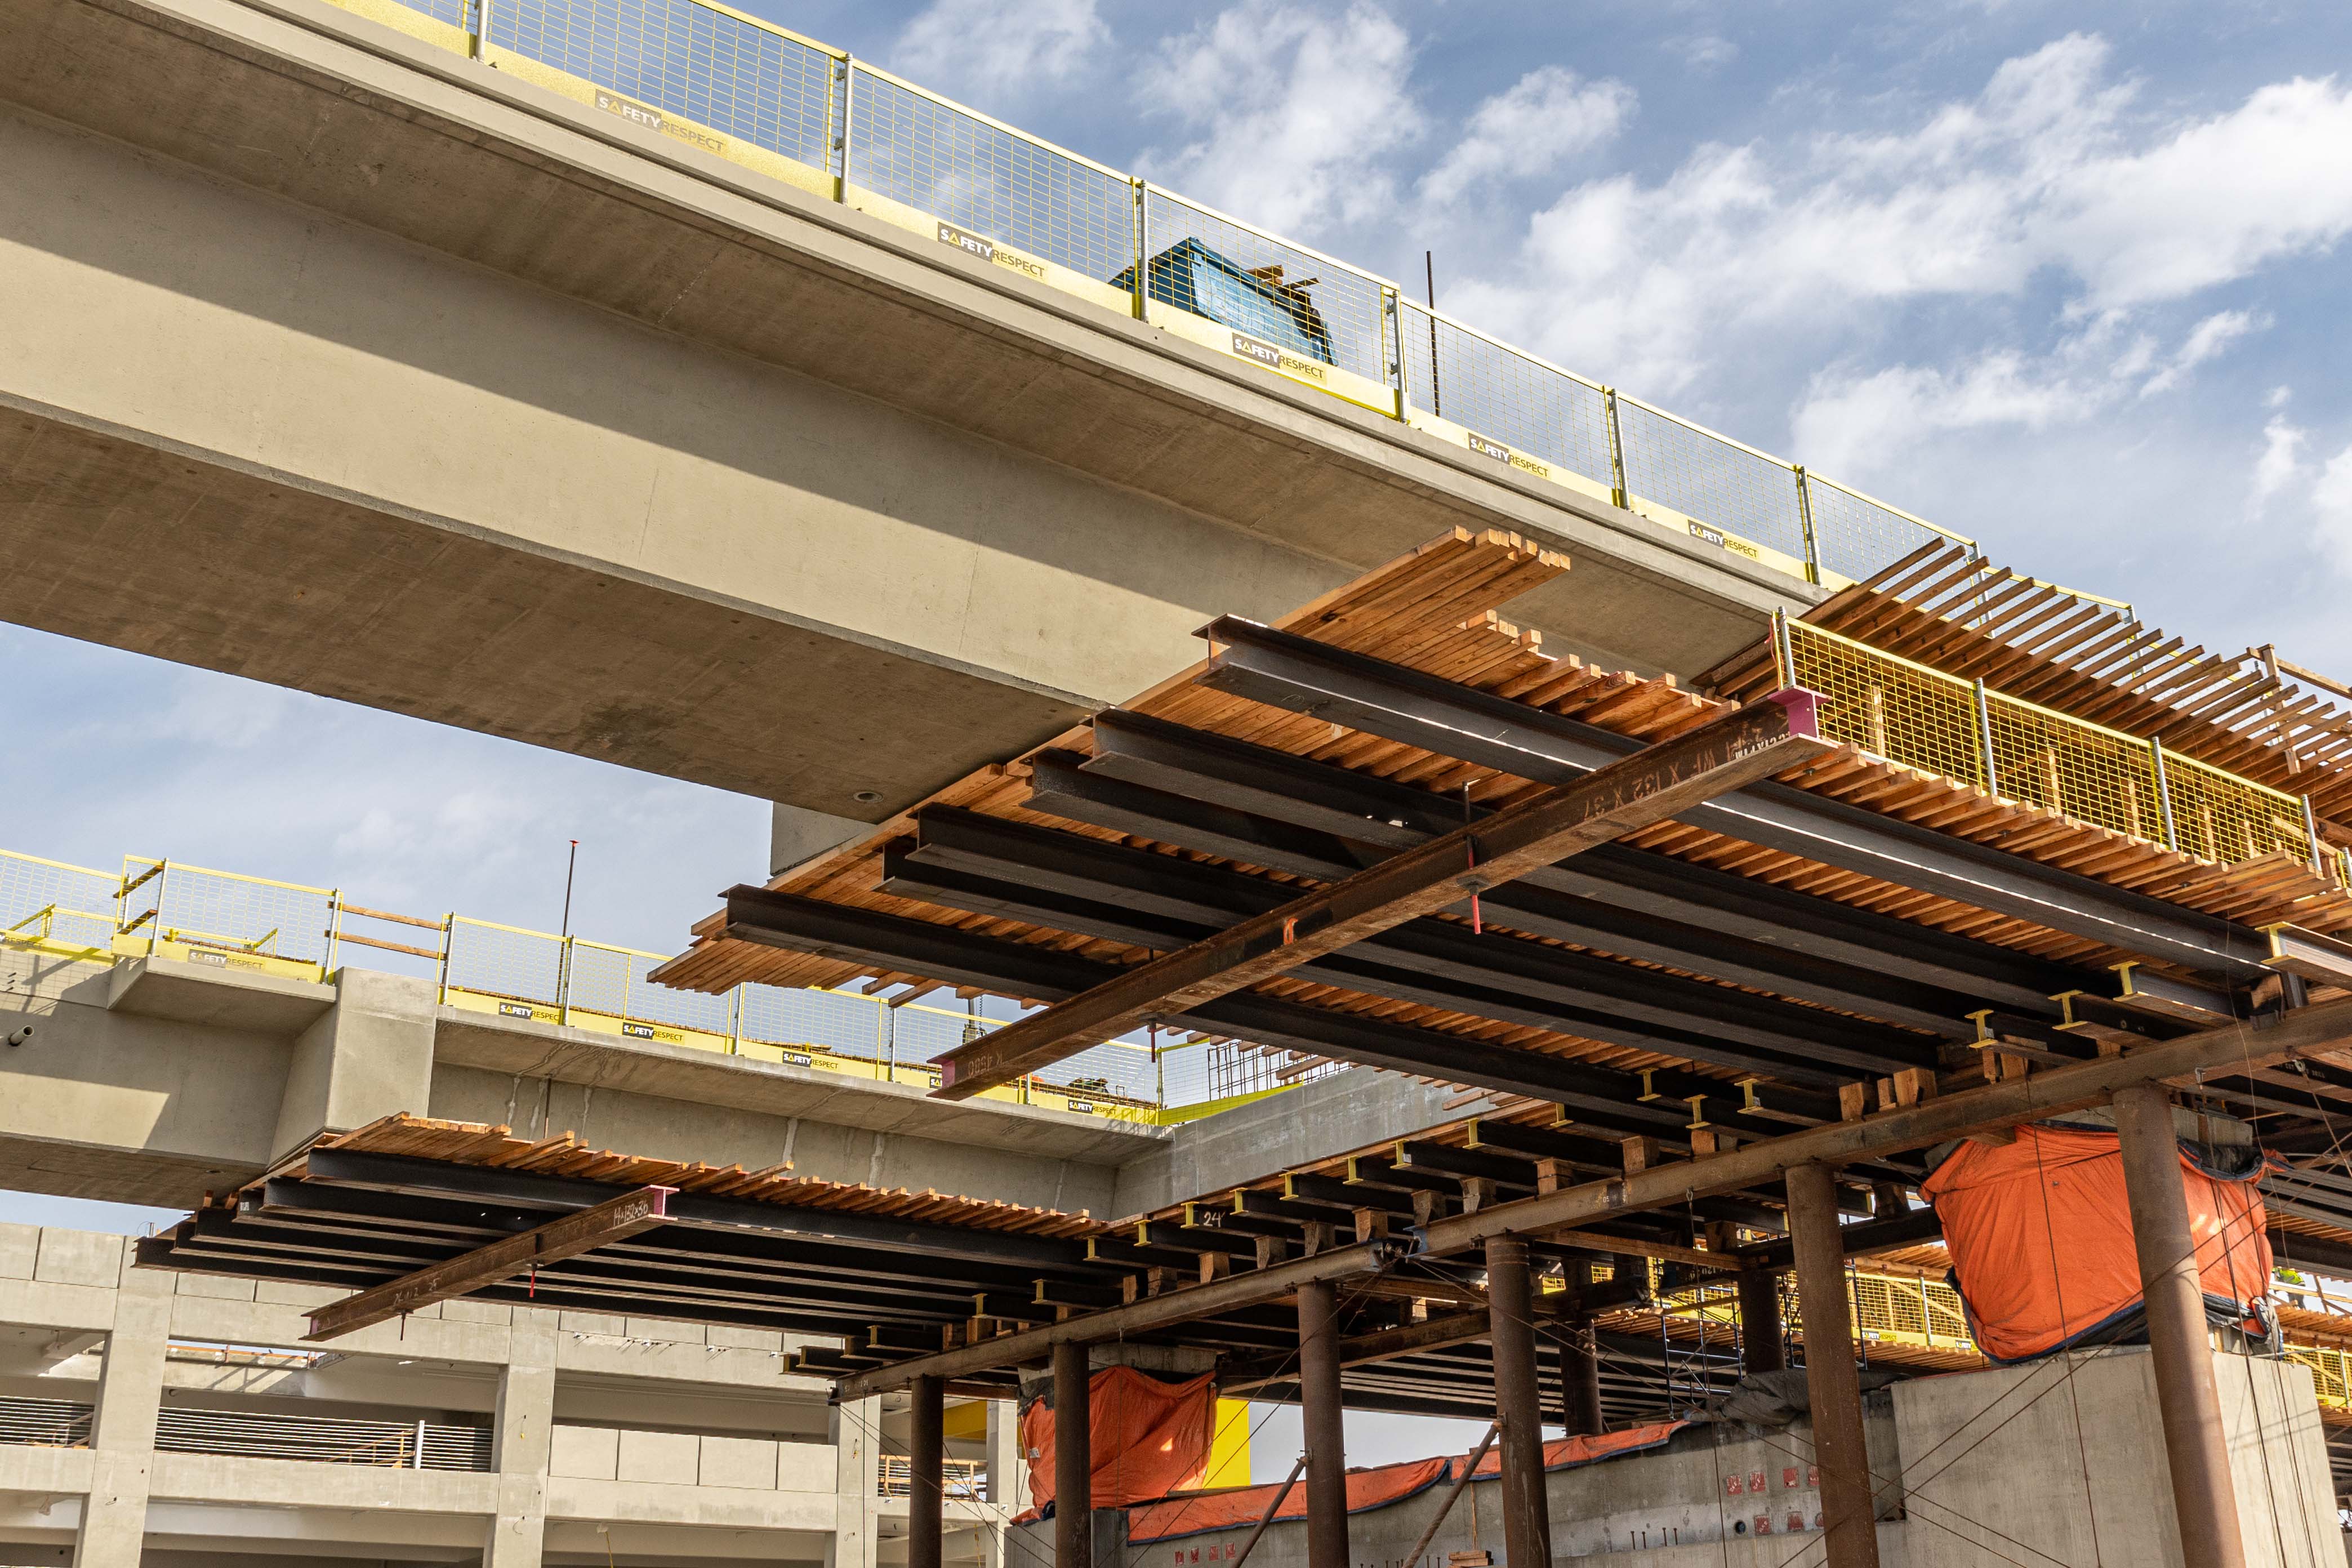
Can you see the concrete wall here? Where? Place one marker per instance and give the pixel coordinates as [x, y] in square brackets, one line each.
[343, 363]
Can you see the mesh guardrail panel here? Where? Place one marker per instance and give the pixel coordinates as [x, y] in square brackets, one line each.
[1125, 1072]
[2095, 775]
[214, 908]
[49, 901]
[1507, 397]
[690, 61]
[498, 961]
[2223, 818]
[927, 154]
[1856, 536]
[1889, 707]
[1709, 480]
[1323, 303]
[833, 1021]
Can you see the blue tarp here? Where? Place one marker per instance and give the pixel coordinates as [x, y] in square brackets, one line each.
[1190, 277]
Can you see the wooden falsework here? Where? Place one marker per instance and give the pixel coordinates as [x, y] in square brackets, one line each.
[622, 1217]
[1648, 788]
[2322, 1027]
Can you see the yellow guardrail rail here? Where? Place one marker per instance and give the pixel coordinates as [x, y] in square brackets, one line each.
[1910, 713]
[715, 79]
[170, 910]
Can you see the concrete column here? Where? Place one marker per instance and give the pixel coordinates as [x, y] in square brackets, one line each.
[369, 1056]
[1833, 1388]
[1518, 1403]
[1326, 1426]
[130, 1391]
[1761, 1346]
[1073, 1479]
[1008, 1478]
[796, 834]
[927, 1447]
[856, 1470]
[2178, 1342]
[523, 1431]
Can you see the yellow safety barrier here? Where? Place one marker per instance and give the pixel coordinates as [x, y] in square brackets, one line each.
[1909, 714]
[714, 80]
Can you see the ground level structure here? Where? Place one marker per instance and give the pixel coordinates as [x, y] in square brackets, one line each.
[1721, 974]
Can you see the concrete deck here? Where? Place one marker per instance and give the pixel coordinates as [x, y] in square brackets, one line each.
[352, 365]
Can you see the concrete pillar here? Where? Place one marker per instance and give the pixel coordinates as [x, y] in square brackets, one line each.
[927, 1445]
[1326, 1426]
[1833, 1386]
[130, 1391]
[2178, 1342]
[369, 1056]
[1518, 1403]
[856, 1430]
[1761, 1345]
[1073, 1479]
[796, 834]
[523, 1432]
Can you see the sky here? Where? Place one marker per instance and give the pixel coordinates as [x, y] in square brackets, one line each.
[2068, 278]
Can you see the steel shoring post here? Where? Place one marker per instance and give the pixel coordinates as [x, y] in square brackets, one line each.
[1833, 1386]
[926, 1453]
[1327, 1443]
[1579, 1377]
[2179, 1344]
[1273, 1507]
[1073, 1513]
[1760, 1345]
[1518, 1409]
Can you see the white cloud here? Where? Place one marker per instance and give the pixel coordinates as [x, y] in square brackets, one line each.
[1292, 112]
[2051, 171]
[2331, 510]
[2210, 338]
[2281, 461]
[1547, 117]
[999, 48]
[1702, 52]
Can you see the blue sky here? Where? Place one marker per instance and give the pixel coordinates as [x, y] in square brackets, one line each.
[2070, 279]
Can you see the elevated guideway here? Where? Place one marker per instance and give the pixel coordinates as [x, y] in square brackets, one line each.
[345, 361]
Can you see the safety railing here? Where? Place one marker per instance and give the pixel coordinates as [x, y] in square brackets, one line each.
[45, 1423]
[323, 1440]
[1886, 1309]
[965, 1481]
[1913, 714]
[171, 910]
[767, 99]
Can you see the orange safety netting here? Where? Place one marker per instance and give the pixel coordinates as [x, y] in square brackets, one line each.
[2040, 1236]
[1148, 1438]
[1369, 1489]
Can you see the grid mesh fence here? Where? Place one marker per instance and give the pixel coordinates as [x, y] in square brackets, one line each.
[2092, 774]
[2223, 818]
[457, 14]
[1709, 480]
[1117, 1069]
[218, 910]
[48, 900]
[694, 61]
[838, 1022]
[501, 960]
[1856, 536]
[1889, 707]
[1000, 185]
[1298, 300]
[612, 980]
[1509, 399]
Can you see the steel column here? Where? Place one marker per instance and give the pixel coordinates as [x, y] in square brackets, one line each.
[1073, 1499]
[1326, 1442]
[1761, 1346]
[1834, 1387]
[1518, 1403]
[926, 1483]
[2178, 1342]
[1580, 1377]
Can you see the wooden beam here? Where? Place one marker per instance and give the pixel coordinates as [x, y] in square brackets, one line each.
[1650, 786]
[615, 1220]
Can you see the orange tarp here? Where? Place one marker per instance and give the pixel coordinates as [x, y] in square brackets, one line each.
[1150, 1437]
[2040, 1238]
[1369, 1489]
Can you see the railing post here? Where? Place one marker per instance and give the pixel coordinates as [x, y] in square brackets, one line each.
[1142, 225]
[563, 982]
[420, 1444]
[2311, 837]
[841, 133]
[1805, 523]
[2163, 793]
[441, 976]
[1984, 739]
[1393, 347]
[1784, 650]
[735, 1022]
[1619, 493]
